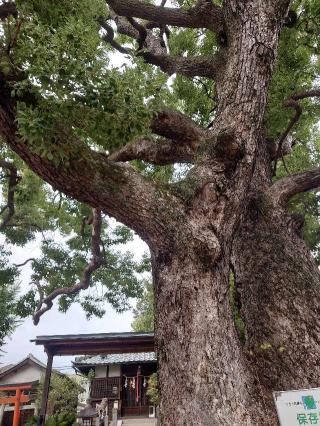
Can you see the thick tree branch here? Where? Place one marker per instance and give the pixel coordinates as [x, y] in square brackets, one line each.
[183, 137]
[90, 177]
[175, 125]
[307, 94]
[293, 103]
[159, 152]
[153, 51]
[198, 66]
[204, 15]
[95, 263]
[13, 180]
[285, 188]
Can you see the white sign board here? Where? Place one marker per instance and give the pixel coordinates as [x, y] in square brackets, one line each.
[298, 407]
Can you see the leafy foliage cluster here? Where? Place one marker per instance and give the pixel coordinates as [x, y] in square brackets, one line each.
[144, 310]
[62, 401]
[153, 390]
[62, 419]
[8, 290]
[65, 261]
[68, 66]
[63, 395]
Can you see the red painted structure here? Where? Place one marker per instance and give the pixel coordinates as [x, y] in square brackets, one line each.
[16, 400]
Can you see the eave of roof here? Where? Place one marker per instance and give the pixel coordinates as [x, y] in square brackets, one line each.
[91, 336]
[81, 344]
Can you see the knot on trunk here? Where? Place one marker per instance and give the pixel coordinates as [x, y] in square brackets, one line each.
[227, 148]
[265, 55]
[295, 222]
[257, 207]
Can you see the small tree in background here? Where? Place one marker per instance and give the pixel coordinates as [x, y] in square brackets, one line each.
[63, 395]
[62, 419]
[144, 310]
[8, 293]
[153, 389]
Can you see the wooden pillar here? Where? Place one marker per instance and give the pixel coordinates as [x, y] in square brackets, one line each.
[2, 407]
[45, 392]
[16, 415]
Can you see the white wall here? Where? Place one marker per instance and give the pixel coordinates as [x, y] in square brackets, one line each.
[27, 373]
[100, 371]
[114, 371]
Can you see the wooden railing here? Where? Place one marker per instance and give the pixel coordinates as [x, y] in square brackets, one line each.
[108, 387]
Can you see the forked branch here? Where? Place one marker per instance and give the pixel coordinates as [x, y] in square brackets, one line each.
[154, 52]
[109, 37]
[293, 103]
[204, 15]
[97, 260]
[182, 138]
[287, 187]
[159, 152]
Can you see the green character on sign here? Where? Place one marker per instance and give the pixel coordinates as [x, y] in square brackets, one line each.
[308, 402]
[313, 418]
[302, 419]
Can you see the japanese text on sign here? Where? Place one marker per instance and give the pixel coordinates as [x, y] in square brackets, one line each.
[298, 407]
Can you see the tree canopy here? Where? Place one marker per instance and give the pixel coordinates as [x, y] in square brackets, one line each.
[59, 61]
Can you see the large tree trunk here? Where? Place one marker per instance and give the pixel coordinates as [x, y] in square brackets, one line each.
[204, 376]
[278, 289]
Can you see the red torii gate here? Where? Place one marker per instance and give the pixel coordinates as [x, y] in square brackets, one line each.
[16, 400]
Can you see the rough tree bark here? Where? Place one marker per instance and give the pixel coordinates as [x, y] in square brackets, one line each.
[223, 211]
[277, 289]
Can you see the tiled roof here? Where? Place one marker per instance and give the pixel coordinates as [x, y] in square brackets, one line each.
[124, 358]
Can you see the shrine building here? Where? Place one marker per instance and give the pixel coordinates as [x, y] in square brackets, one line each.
[119, 366]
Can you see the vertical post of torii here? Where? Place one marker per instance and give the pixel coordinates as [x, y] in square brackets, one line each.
[16, 400]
